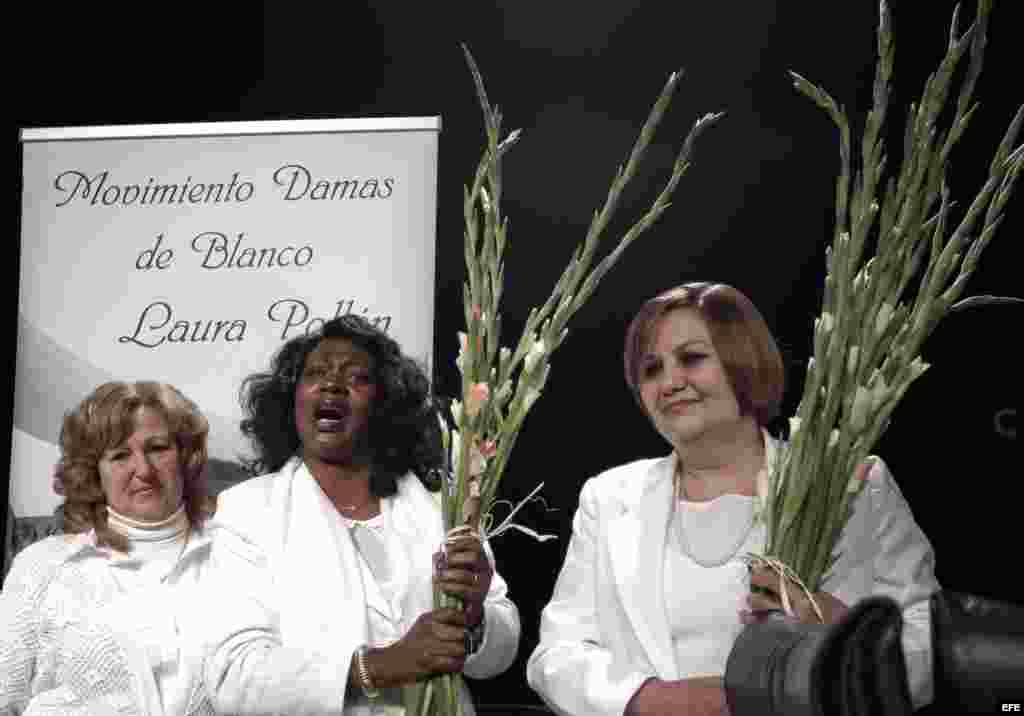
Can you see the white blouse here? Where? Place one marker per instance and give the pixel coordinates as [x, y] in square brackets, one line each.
[385, 567]
[702, 601]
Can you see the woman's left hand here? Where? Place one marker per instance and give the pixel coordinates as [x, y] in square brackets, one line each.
[464, 571]
[766, 600]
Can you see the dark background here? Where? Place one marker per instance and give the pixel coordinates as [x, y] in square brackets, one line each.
[755, 210]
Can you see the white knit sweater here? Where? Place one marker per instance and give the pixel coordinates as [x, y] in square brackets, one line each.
[84, 630]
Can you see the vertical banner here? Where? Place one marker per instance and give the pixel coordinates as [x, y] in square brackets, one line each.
[189, 253]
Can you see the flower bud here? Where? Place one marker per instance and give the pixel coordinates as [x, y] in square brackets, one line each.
[880, 391]
[530, 397]
[456, 451]
[477, 460]
[827, 322]
[445, 436]
[883, 317]
[504, 392]
[794, 426]
[535, 353]
[478, 395]
[918, 367]
[859, 412]
[851, 360]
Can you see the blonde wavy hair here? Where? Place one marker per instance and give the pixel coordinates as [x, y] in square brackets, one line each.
[104, 420]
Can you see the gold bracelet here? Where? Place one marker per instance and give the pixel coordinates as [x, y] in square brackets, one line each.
[366, 682]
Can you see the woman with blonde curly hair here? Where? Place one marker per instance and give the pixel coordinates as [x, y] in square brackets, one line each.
[90, 619]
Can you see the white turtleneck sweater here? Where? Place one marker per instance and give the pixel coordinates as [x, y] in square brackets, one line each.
[86, 629]
[157, 546]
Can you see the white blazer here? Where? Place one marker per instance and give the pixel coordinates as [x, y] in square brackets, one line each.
[605, 630]
[292, 607]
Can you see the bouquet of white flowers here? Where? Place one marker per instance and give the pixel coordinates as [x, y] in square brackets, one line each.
[897, 264]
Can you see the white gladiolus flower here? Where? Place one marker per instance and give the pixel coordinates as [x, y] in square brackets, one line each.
[833, 438]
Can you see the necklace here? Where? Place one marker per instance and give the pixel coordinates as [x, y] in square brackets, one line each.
[684, 542]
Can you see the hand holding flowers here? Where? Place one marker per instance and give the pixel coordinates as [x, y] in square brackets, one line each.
[463, 570]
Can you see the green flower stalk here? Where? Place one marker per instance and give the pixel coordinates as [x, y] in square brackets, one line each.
[500, 385]
[896, 266]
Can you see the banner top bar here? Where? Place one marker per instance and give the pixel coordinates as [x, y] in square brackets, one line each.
[215, 129]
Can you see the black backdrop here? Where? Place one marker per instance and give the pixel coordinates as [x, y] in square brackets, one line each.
[579, 77]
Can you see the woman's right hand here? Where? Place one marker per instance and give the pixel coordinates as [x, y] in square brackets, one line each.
[699, 696]
[435, 644]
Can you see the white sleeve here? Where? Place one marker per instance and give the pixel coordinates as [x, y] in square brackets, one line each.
[572, 668]
[20, 616]
[247, 670]
[501, 631]
[18, 636]
[902, 564]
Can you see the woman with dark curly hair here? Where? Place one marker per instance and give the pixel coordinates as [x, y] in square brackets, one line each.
[330, 560]
[90, 619]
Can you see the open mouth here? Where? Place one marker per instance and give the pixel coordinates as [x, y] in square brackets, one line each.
[330, 416]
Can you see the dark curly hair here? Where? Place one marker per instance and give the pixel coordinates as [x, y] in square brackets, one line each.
[105, 419]
[404, 430]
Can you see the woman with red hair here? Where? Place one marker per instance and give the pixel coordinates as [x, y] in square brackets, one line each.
[654, 588]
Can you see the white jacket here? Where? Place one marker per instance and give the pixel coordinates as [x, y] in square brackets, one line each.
[605, 630]
[295, 608]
